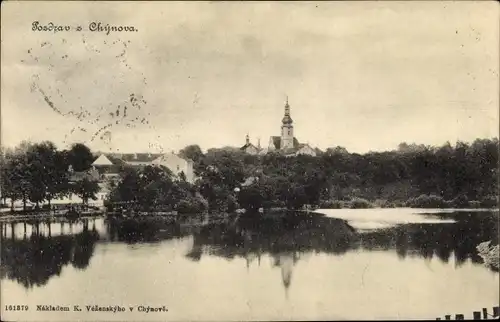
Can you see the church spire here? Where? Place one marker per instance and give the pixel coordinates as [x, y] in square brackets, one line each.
[287, 107]
[287, 140]
[247, 139]
[286, 118]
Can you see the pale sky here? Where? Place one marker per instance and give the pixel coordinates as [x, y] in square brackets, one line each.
[363, 75]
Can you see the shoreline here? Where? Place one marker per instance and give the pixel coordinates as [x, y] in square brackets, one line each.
[9, 216]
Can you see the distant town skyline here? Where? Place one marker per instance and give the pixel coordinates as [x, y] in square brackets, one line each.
[362, 75]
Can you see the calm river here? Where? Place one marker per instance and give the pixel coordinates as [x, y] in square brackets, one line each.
[387, 264]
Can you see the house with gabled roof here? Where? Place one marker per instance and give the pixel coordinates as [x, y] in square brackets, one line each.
[102, 160]
[249, 147]
[181, 167]
[139, 159]
[109, 164]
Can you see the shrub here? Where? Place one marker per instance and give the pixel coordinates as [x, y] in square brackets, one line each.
[191, 205]
[460, 201]
[331, 204]
[447, 204]
[251, 198]
[108, 205]
[474, 204]
[384, 203]
[489, 202]
[227, 203]
[427, 201]
[360, 203]
[398, 204]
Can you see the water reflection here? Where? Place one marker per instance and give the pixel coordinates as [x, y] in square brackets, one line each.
[146, 230]
[301, 233]
[38, 255]
[442, 240]
[32, 251]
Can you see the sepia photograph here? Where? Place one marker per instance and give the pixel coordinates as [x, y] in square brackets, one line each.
[249, 160]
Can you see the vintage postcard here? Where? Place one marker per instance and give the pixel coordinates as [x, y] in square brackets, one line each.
[249, 161]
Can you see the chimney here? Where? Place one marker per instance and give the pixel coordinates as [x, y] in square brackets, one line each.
[258, 143]
[247, 139]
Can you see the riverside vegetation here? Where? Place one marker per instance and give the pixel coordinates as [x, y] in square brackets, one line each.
[460, 176]
[40, 173]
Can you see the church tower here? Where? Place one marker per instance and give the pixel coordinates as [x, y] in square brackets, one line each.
[286, 129]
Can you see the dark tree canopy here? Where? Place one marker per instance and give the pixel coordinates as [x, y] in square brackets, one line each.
[80, 157]
[192, 152]
[452, 175]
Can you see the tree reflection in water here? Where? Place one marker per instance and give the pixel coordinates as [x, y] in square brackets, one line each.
[34, 259]
[285, 238]
[290, 237]
[459, 239]
[145, 230]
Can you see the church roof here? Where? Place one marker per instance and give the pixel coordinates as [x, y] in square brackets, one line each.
[140, 157]
[277, 142]
[287, 120]
[300, 146]
[247, 146]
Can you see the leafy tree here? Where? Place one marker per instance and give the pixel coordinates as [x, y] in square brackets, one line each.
[192, 152]
[151, 188]
[80, 157]
[20, 178]
[156, 187]
[5, 169]
[15, 174]
[128, 187]
[296, 196]
[336, 150]
[251, 198]
[86, 189]
[48, 166]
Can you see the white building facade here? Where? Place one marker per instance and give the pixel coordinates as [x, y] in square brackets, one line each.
[177, 165]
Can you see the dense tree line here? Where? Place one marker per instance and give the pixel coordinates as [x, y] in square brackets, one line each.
[40, 173]
[463, 175]
[153, 189]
